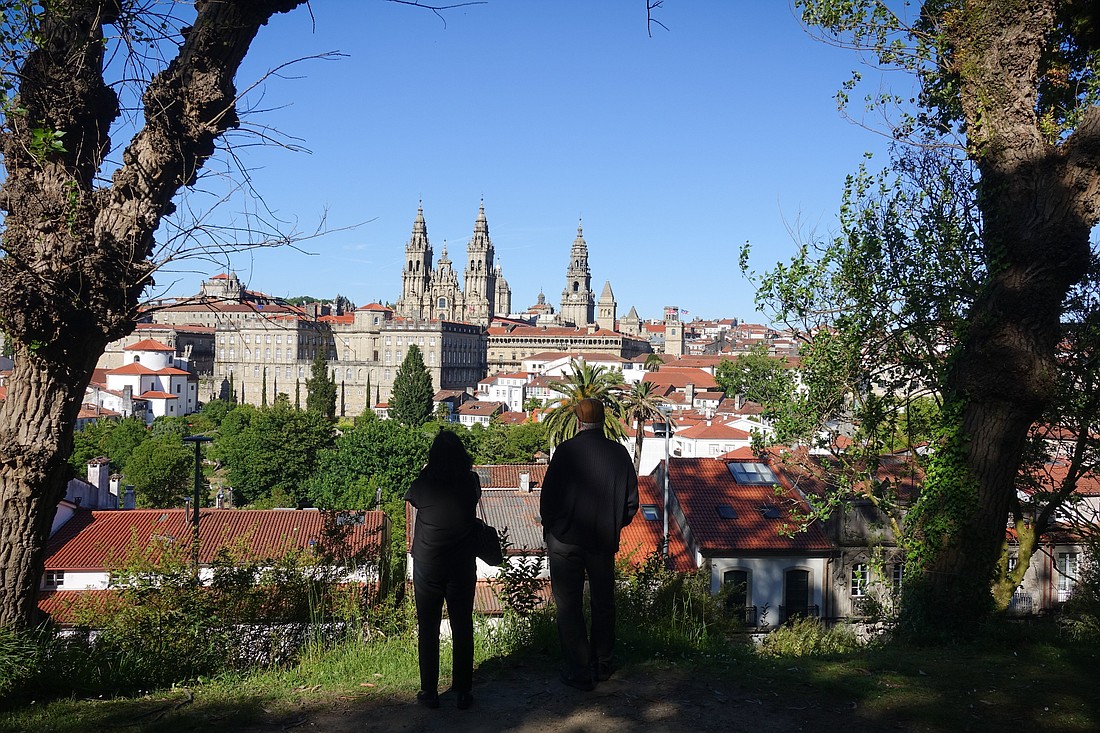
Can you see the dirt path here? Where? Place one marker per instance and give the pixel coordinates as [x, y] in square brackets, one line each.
[526, 700]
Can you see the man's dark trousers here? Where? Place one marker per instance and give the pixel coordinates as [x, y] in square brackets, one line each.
[568, 566]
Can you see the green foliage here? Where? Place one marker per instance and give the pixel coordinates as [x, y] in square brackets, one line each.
[321, 388]
[519, 580]
[170, 425]
[671, 609]
[215, 411]
[23, 656]
[640, 404]
[162, 472]
[505, 443]
[411, 399]
[808, 637]
[115, 439]
[272, 451]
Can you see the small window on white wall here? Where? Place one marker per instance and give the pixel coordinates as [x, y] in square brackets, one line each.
[859, 579]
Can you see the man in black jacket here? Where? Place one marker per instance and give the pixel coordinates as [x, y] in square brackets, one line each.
[589, 494]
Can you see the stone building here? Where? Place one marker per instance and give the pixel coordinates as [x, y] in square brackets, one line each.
[429, 293]
[578, 303]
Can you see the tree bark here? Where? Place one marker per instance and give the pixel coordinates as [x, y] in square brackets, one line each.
[77, 256]
[1039, 202]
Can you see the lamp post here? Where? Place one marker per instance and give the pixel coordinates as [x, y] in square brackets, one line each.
[666, 412]
[198, 440]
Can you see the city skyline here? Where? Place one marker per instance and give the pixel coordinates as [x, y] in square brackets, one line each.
[671, 150]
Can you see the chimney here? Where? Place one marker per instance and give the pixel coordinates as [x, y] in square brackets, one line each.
[739, 400]
[116, 486]
[525, 483]
[99, 477]
[689, 391]
[219, 500]
[129, 501]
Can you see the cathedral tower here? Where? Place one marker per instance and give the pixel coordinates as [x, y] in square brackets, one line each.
[481, 285]
[577, 300]
[418, 269]
[605, 312]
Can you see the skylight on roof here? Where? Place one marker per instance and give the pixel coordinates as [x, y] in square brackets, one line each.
[752, 472]
[770, 511]
[725, 511]
[649, 512]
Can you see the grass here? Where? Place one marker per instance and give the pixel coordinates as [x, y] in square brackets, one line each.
[1027, 679]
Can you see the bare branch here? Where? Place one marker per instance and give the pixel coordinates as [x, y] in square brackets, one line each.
[650, 21]
[437, 10]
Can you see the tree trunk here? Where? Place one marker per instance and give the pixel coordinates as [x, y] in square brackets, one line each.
[77, 256]
[1039, 203]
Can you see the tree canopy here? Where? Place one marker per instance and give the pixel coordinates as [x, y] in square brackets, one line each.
[946, 279]
[411, 399]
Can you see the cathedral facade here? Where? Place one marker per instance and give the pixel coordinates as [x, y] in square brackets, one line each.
[432, 291]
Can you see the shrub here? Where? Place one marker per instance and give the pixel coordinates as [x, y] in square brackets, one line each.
[808, 637]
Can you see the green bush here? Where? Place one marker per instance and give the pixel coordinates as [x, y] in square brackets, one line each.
[808, 637]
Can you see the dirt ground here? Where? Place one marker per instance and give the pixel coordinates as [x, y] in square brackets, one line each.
[527, 699]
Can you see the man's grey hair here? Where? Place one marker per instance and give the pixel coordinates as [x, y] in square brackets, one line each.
[587, 425]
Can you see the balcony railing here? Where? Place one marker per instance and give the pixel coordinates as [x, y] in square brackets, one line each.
[746, 614]
[1022, 604]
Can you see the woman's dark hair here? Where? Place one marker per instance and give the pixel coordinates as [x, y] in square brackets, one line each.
[448, 457]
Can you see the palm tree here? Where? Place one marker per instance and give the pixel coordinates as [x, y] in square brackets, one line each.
[640, 404]
[585, 382]
[653, 362]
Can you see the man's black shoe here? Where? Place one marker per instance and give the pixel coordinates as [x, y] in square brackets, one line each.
[428, 699]
[580, 683]
[465, 700]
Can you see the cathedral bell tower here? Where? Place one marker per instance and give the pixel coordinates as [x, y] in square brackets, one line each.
[481, 276]
[578, 303]
[418, 270]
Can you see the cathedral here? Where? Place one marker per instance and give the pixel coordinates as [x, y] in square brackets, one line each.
[430, 291]
[433, 293]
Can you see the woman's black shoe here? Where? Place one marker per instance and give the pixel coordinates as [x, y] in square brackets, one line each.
[428, 699]
[465, 700]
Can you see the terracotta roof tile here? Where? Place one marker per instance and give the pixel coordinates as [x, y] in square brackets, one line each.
[90, 540]
[701, 485]
[148, 345]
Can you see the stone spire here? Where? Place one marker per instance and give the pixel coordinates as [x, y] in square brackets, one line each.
[577, 300]
[417, 274]
[481, 285]
[606, 308]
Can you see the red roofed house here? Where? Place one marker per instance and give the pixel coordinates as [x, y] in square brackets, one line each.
[735, 524]
[151, 374]
[477, 412]
[81, 551]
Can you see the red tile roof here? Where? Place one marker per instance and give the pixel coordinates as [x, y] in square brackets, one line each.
[92, 540]
[642, 536]
[506, 476]
[701, 485]
[134, 367]
[148, 345]
[714, 431]
[158, 395]
[680, 377]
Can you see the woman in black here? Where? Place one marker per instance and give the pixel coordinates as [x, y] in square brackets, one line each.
[445, 495]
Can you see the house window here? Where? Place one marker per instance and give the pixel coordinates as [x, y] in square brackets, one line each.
[738, 583]
[649, 512]
[751, 472]
[54, 578]
[898, 576]
[859, 579]
[1067, 574]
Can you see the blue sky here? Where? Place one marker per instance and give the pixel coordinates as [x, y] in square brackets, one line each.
[672, 150]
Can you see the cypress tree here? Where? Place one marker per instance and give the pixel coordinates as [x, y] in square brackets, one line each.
[320, 388]
[411, 401]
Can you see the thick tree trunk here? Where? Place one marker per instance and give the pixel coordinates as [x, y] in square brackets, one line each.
[1039, 203]
[77, 257]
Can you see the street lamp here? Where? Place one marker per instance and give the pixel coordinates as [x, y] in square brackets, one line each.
[666, 412]
[198, 440]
